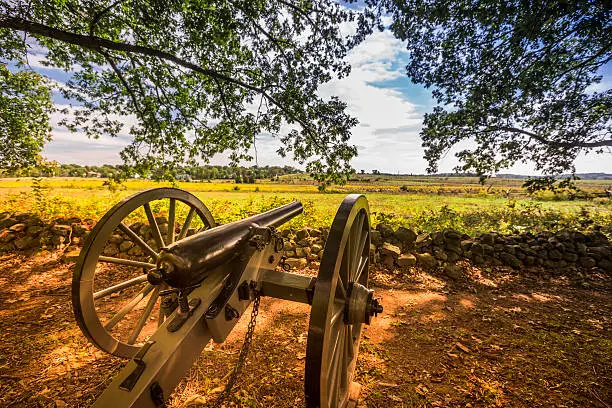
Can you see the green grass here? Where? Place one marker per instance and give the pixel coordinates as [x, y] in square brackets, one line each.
[423, 211]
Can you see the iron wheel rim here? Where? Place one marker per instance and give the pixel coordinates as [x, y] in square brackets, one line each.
[83, 279]
[332, 345]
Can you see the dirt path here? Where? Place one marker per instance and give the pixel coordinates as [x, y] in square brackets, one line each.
[494, 339]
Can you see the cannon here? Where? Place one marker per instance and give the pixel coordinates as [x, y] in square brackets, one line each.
[158, 292]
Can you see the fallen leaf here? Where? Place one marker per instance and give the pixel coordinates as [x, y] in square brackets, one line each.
[383, 384]
[462, 348]
[217, 389]
[421, 390]
[195, 400]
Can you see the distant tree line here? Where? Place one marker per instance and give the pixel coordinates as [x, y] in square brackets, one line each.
[190, 173]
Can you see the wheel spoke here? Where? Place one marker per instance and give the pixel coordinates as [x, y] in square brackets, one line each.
[128, 306]
[186, 224]
[334, 356]
[343, 371]
[359, 254]
[335, 367]
[334, 332]
[127, 262]
[362, 241]
[116, 288]
[351, 343]
[340, 289]
[356, 249]
[137, 240]
[145, 315]
[332, 399]
[362, 265]
[337, 316]
[348, 253]
[171, 217]
[344, 274]
[154, 227]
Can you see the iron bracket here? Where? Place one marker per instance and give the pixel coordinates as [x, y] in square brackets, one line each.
[231, 313]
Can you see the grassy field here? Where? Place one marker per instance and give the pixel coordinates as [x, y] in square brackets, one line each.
[417, 202]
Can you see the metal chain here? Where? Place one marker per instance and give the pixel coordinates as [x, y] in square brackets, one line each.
[246, 345]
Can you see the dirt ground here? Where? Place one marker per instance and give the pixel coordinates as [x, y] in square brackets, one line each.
[495, 338]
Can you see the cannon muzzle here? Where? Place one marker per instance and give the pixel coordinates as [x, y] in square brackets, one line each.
[187, 262]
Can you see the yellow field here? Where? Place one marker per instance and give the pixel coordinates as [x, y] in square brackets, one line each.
[461, 203]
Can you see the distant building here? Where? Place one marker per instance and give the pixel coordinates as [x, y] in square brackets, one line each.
[93, 174]
[183, 177]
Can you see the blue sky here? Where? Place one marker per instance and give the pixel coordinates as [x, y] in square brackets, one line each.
[389, 107]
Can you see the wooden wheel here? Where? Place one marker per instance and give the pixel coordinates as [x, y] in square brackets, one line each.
[114, 304]
[341, 304]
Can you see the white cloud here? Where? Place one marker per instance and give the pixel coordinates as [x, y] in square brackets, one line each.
[36, 60]
[387, 136]
[380, 46]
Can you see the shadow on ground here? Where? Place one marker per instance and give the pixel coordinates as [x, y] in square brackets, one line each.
[492, 338]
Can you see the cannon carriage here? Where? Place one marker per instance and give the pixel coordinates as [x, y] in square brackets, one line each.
[191, 281]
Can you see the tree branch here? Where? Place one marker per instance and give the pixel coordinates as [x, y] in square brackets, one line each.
[230, 117]
[603, 51]
[100, 14]
[119, 74]
[97, 43]
[298, 10]
[552, 143]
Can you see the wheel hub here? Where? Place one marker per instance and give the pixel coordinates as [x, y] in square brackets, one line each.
[361, 305]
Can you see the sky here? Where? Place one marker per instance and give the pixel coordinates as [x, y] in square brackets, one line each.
[378, 93]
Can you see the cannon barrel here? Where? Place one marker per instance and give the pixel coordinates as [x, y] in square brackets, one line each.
[187, 262]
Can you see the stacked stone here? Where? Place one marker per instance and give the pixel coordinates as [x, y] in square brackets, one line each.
[443, 246]
[304, 246]
[23, 231]
[393, 248]
[119, 244]
[551, 250]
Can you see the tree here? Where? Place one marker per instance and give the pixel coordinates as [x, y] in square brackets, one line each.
[514, 81]
[200, 77]
[25, 105]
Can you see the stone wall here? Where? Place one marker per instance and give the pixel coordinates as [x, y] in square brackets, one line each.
[401, 248]
[559, 250]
